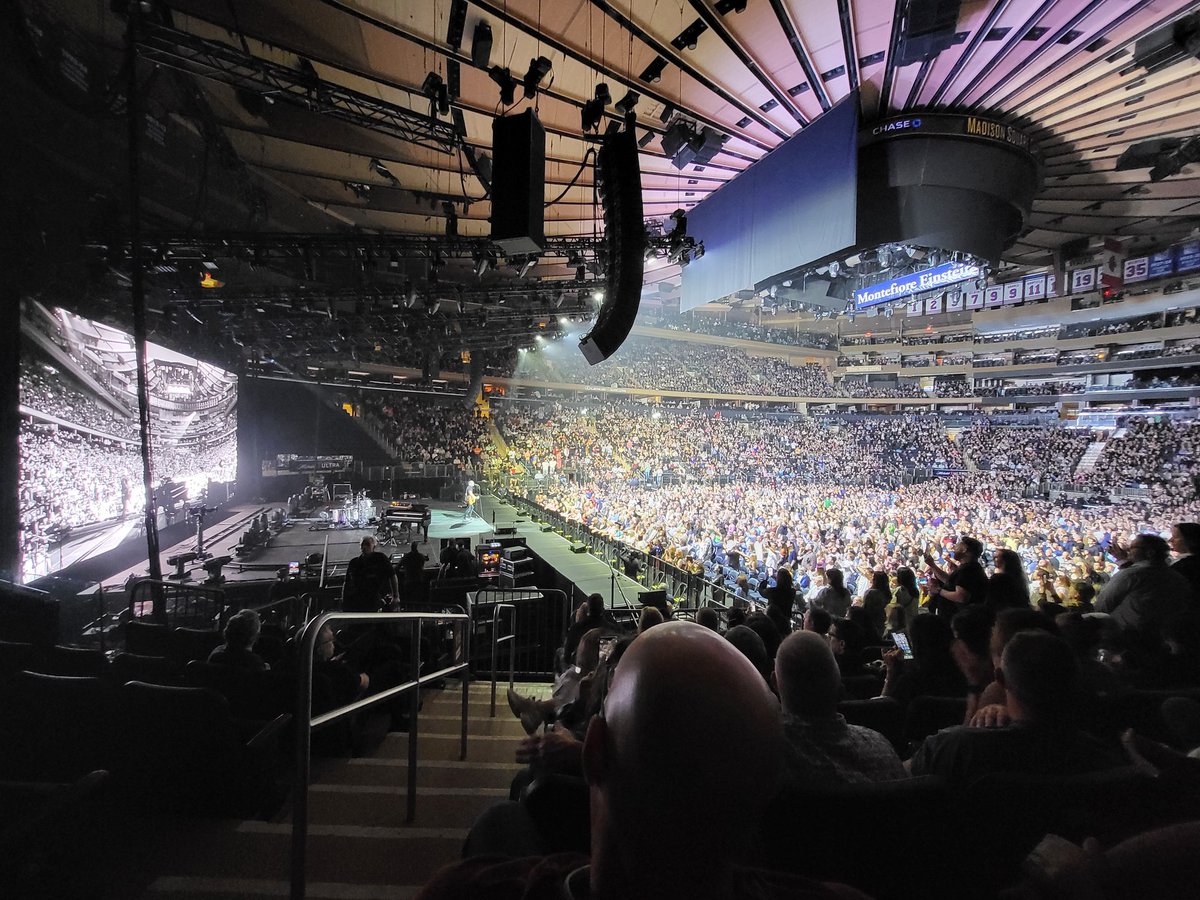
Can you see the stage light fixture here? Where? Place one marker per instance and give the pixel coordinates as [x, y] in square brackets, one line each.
[382, 171]
[456, 23]
[626, 104]
[653, 72]
[591, 114]
[508, 84]
[435, 89]
[538, 69]
[529, 263]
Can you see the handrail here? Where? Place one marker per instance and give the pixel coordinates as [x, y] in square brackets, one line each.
[305, 721]
[509, 639]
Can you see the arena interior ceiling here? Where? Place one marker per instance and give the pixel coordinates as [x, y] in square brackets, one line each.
[418, 87]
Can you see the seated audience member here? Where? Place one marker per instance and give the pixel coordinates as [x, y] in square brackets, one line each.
[1162, 864]
[752, 647]
[762, 625]
[1081, 596]
[907, 593]
[591, 614]
[241, 633]
[846, 641]
[1185, 543]
[875, 603]
[821, 748]
[972, 652]
[708, 617]
[335, 682]
[1082, 634]
[1146, 593]
[570, 686]
[897, 619]
[648, 618]
[932, 672]
[1009, 585]
[1040, 679]
[817, 620]
[683, 703]
[1008, 622]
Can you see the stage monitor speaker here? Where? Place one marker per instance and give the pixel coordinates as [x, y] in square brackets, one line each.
[624, 244]
[518, 183]
[657, 599]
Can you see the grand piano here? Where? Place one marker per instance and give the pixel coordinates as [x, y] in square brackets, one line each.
[408, 514]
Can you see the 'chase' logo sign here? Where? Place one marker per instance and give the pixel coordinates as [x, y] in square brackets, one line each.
[896, 125]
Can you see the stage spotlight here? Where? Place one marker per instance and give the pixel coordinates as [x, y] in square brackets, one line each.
[591, 114]
[626, 104]
[381, 170]
[529, 263]
[481, 264]
[653, 72]
[538, 69]
[508, 84]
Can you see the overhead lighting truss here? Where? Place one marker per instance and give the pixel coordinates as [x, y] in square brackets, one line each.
[216, 61]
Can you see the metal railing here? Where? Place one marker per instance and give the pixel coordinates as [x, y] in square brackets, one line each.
[538, 620]
[178, 605]
[306, 721]
[509, 639]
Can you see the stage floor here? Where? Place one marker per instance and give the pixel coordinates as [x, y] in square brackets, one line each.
[302, 537]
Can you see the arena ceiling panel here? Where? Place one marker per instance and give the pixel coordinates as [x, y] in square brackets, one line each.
[1064, 69]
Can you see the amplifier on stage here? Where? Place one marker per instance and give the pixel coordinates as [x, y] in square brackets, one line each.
[516, 570]
[488, 556]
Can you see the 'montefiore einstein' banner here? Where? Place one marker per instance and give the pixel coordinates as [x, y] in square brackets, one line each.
[915, 283]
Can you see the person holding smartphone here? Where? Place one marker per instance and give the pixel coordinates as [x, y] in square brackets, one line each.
[966, 582]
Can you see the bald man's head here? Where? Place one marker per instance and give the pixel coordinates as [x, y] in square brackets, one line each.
[807, 675]
[691, 736]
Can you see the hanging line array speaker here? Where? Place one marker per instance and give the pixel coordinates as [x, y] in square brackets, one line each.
[620, 183]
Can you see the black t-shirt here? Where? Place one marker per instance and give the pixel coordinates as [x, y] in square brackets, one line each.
[368, 578]
[973, 579]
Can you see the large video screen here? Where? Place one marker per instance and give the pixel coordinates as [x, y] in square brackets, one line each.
[81, 490]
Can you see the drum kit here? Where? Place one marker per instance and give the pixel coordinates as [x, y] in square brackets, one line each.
[356, 511]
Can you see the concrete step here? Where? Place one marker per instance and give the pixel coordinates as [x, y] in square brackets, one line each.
[386, 806]
[433, 747]
[430, 773]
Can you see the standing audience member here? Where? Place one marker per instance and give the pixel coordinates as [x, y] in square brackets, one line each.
[369, 579]
[1009, 585]
[1185, 542]
[966, 583]
[833, 598]
[875, 601]
[1146, 594]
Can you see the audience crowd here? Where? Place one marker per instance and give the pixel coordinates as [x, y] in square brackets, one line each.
[420, 431]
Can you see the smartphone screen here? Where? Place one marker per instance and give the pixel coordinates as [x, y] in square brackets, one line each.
[901, 640]
[294, 568]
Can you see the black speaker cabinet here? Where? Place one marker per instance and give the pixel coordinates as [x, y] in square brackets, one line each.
[518, 183]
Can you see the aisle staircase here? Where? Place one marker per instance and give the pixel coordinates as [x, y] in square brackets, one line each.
[360, 847]
[1091, 456]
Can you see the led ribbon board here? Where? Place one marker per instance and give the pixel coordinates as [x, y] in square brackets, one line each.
[916, 283]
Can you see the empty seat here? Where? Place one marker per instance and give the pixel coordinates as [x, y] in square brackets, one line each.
[251, 695]
[881, 714]
[57, 728]
[147, 638]
[190, 755]
[929, 715]
[77, 662]
[188, 644]
[150, 669]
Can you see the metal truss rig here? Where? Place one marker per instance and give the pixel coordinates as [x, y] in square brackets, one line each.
[266, 247]
[220, 62]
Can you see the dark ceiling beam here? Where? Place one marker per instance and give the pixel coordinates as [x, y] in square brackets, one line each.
[668, 53]
[1045, 43]
[1081, 46]
[718, 28]
[1018, 36]
[918, 83]
[889, 71]
[849, 42]
[550, 41]
[968, 51]
[802, 57]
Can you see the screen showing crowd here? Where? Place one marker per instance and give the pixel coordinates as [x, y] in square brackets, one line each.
[81, 489]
